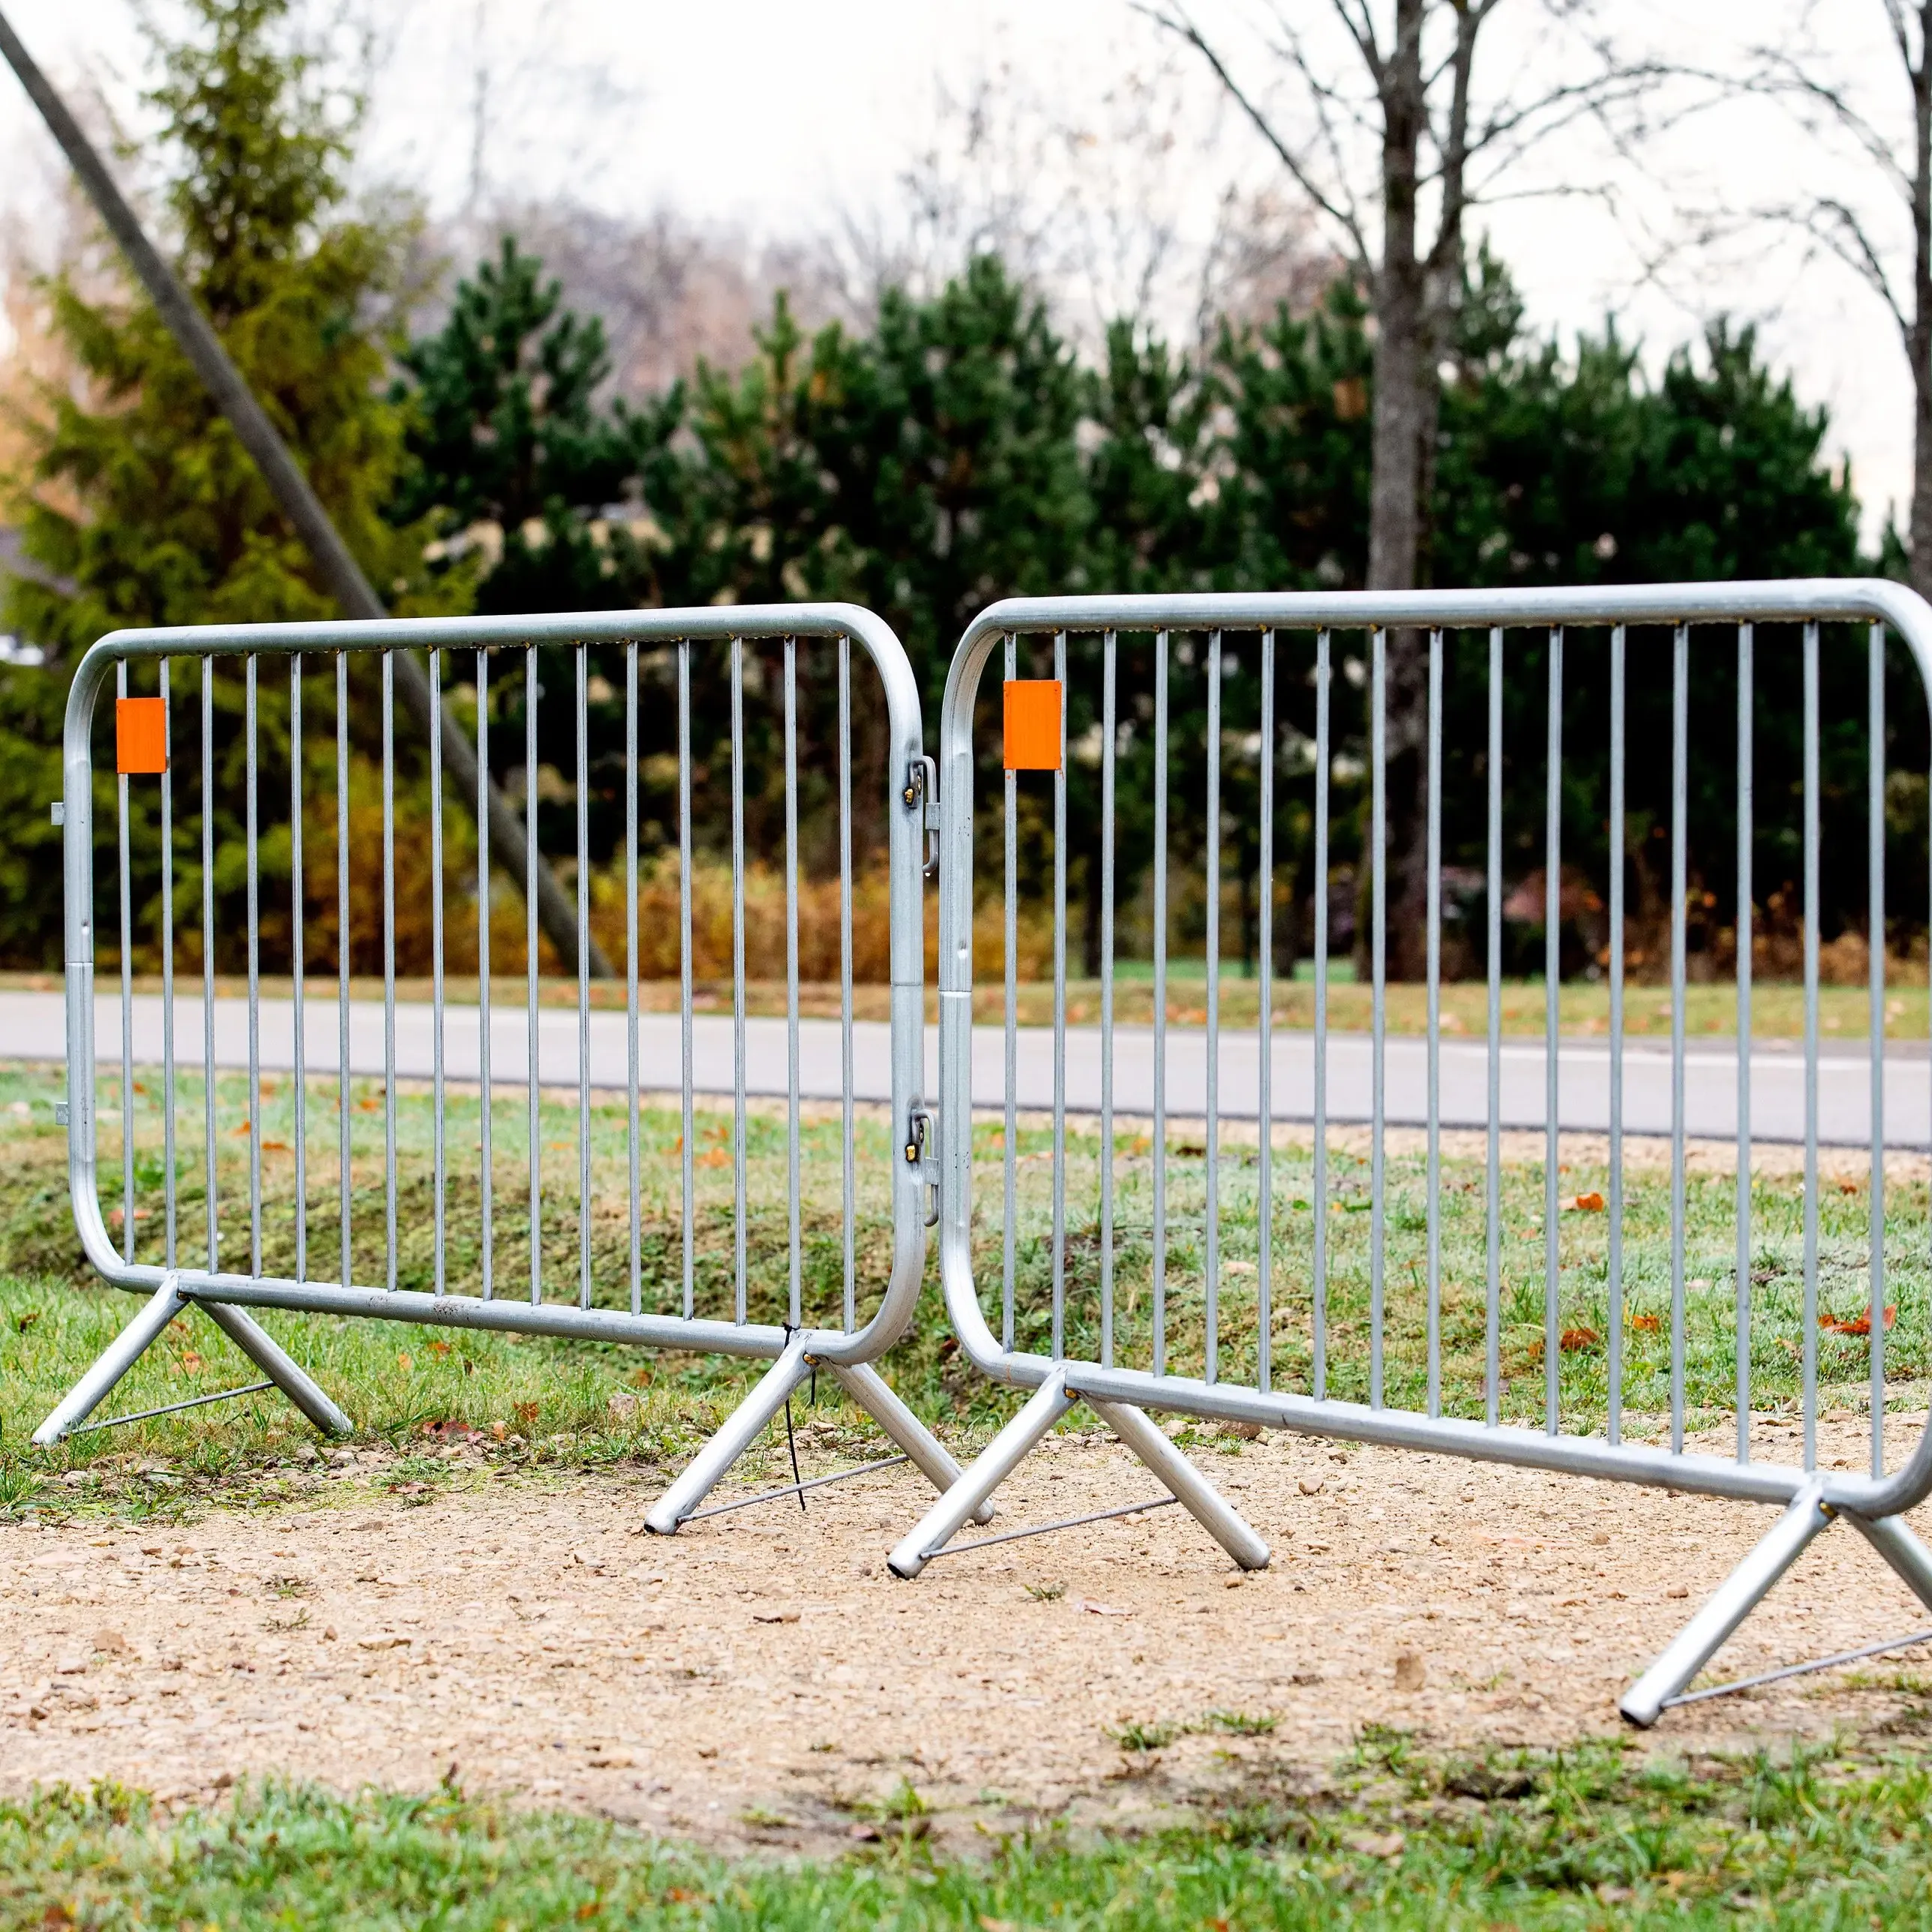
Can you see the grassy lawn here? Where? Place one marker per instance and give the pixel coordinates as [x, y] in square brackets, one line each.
[532, 1399]
[1777, 1008]
[1594, 1837]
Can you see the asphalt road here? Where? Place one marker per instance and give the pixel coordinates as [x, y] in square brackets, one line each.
[32, 1027]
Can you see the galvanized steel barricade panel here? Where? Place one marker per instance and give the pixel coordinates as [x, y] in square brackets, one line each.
[496, 1235]
[1193, 1286]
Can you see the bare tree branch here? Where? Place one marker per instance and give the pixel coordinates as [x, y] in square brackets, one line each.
[1343, 218]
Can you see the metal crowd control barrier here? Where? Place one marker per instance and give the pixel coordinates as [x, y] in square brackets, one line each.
[1353, 1327]
[684, 1246]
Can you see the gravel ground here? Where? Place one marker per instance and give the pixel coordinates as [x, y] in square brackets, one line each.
[762, 1680]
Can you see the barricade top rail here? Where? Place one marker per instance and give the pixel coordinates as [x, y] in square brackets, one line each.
[794, 688]
[1149, 1258]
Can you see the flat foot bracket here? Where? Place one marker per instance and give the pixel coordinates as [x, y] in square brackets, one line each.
[1664, 1684]
[916, 1444]
[929, 1538]
[281, 1371]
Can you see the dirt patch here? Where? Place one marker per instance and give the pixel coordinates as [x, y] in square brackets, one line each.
[762, 1680]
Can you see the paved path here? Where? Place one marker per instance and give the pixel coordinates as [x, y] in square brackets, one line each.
[32, 1027]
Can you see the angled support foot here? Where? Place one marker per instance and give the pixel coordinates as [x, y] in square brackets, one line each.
[1734, 1599]
[870, 1391]
[915, 1443]
[1907, 1555]
[262, 1348]
[140, 1334]
[968, 1497]
[740, 1430]
[1188, 1486]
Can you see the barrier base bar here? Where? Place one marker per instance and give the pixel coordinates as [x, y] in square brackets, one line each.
[866, 1388]
[970, 1496]
[140, 1334]
[1666, 1684]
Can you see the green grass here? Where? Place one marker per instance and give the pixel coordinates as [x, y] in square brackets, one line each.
[1594, 1837]
[580, 1404]
[1710, 1009]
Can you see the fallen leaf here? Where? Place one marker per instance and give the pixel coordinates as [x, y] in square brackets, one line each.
[1649, 1323]
[715, 1157]
[1375, 1844]
[439, 1349]
[1859, 1324]
[1591, 1203]
[526, 1413]
[1573, 1339]
[1410, 1674]
[1095, 1609]
[276, 1146]
[405, 1362]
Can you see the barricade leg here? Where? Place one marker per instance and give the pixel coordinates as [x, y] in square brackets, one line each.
[993, 1466]
[133, 1341]
[968, 1497]
[1190, 1488]
[1907, 1555]
[1735, 1599]
[748, 1420]
[262, 1348]
[920, 1447]
[741, 1428]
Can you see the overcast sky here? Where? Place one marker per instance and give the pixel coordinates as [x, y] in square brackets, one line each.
[782, 118]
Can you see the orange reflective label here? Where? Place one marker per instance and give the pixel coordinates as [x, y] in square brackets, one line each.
[1032, 723]
[140, 736]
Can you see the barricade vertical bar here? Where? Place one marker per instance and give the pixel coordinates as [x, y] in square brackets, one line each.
[1211, 1154]
[1492, 1380]
[795, 1299]
[1109, 648]
[1680, 677]
[848, 1198]
[1319, 1259]
[126, 899]
[1875, 947]
[251, 760]
[583, 977]
[1160, 1265]
[1059, 1012]
[1614, 1282]
[1378, 955]
[631, 1123]
[439, 1155]
[687, 1176]
[486, 1214]
[208, 952]
[1264, 1030]
[1553, 987]
[298, 920]
[1741, 1336]
[1434, 942]
[170, 1184]
[389, 966]
[533, 1065]
[738, 972]
[345, 1170]
[1010, 1150]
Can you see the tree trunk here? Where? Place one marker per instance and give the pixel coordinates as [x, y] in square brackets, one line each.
[1403, 435]
[1918, 336]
